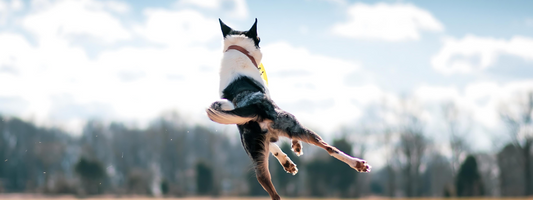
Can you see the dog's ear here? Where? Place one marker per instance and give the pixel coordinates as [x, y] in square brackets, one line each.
[252, 33]
[225, 28]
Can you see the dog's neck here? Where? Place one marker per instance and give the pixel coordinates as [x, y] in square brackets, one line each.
[243, 51]
[245, 43]
[237, 63]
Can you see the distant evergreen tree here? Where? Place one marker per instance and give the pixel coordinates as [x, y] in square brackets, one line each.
[255, 188]
[138, 182]
[512, 179]
[343, 176]
[165, 187]
[285, 182]
[318, 176]
[92, 174]
[204, 179]
[329, 176]
[468, 181]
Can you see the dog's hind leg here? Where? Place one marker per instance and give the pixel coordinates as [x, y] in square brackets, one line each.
[311, 137]
[283, 159]
[263, 176]
[257, 145]
[287, 123]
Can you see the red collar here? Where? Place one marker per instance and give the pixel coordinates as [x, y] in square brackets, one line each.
[243, 51]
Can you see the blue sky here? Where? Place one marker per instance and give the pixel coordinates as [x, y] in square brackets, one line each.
[330, 62]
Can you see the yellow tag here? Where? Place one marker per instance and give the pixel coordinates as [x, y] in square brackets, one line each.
[263, 73]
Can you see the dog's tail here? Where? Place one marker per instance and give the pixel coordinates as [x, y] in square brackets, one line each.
[223, 112]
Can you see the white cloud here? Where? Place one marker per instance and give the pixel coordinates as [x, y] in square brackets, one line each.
[480, 104]
[178, 27]
[433, 93]
[17, 5]
[313, 88]
[116, 6]
[472, 53]
[71, 18]
[7, 8]
[60, 85]
[239, 8]
[482, 99]
[211, 4]
[338, 2]
[389, 22]
[13, 5]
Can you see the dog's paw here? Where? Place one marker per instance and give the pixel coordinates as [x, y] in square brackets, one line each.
[297, 147]
[290, 167]
[222, 104]
[361, 166]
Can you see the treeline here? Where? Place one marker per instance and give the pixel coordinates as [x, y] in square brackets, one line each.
[172, 158]
[162, 159]
[168, 158]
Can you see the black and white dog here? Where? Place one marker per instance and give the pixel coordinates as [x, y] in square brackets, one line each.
[246, 102]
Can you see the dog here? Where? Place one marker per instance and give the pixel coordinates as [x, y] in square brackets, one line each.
[245, 101]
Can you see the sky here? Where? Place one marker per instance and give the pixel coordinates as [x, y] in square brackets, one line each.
[329, 62]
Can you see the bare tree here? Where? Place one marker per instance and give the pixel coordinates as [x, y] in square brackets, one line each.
[378, 125]
[412, 146]
[517, 116]
[457, 127]
[387, 139]
[438, 175]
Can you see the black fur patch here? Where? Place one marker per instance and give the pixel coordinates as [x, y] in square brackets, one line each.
[258, 103]
[249, 97]
[239, 85]
[286, 164]
[216, 106]
[289, 124]
[253, 140]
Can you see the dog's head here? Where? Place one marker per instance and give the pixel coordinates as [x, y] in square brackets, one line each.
[246, 39]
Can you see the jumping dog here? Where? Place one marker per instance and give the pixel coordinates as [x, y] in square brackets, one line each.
[245, 101]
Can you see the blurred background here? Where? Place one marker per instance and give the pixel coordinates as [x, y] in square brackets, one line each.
[107, 97]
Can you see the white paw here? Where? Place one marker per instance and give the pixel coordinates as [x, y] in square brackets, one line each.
[297, 148]
[290, 167]
[222, 104]
[361, 166]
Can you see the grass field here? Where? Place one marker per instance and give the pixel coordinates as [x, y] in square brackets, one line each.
[31, 197]
[39, 197]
